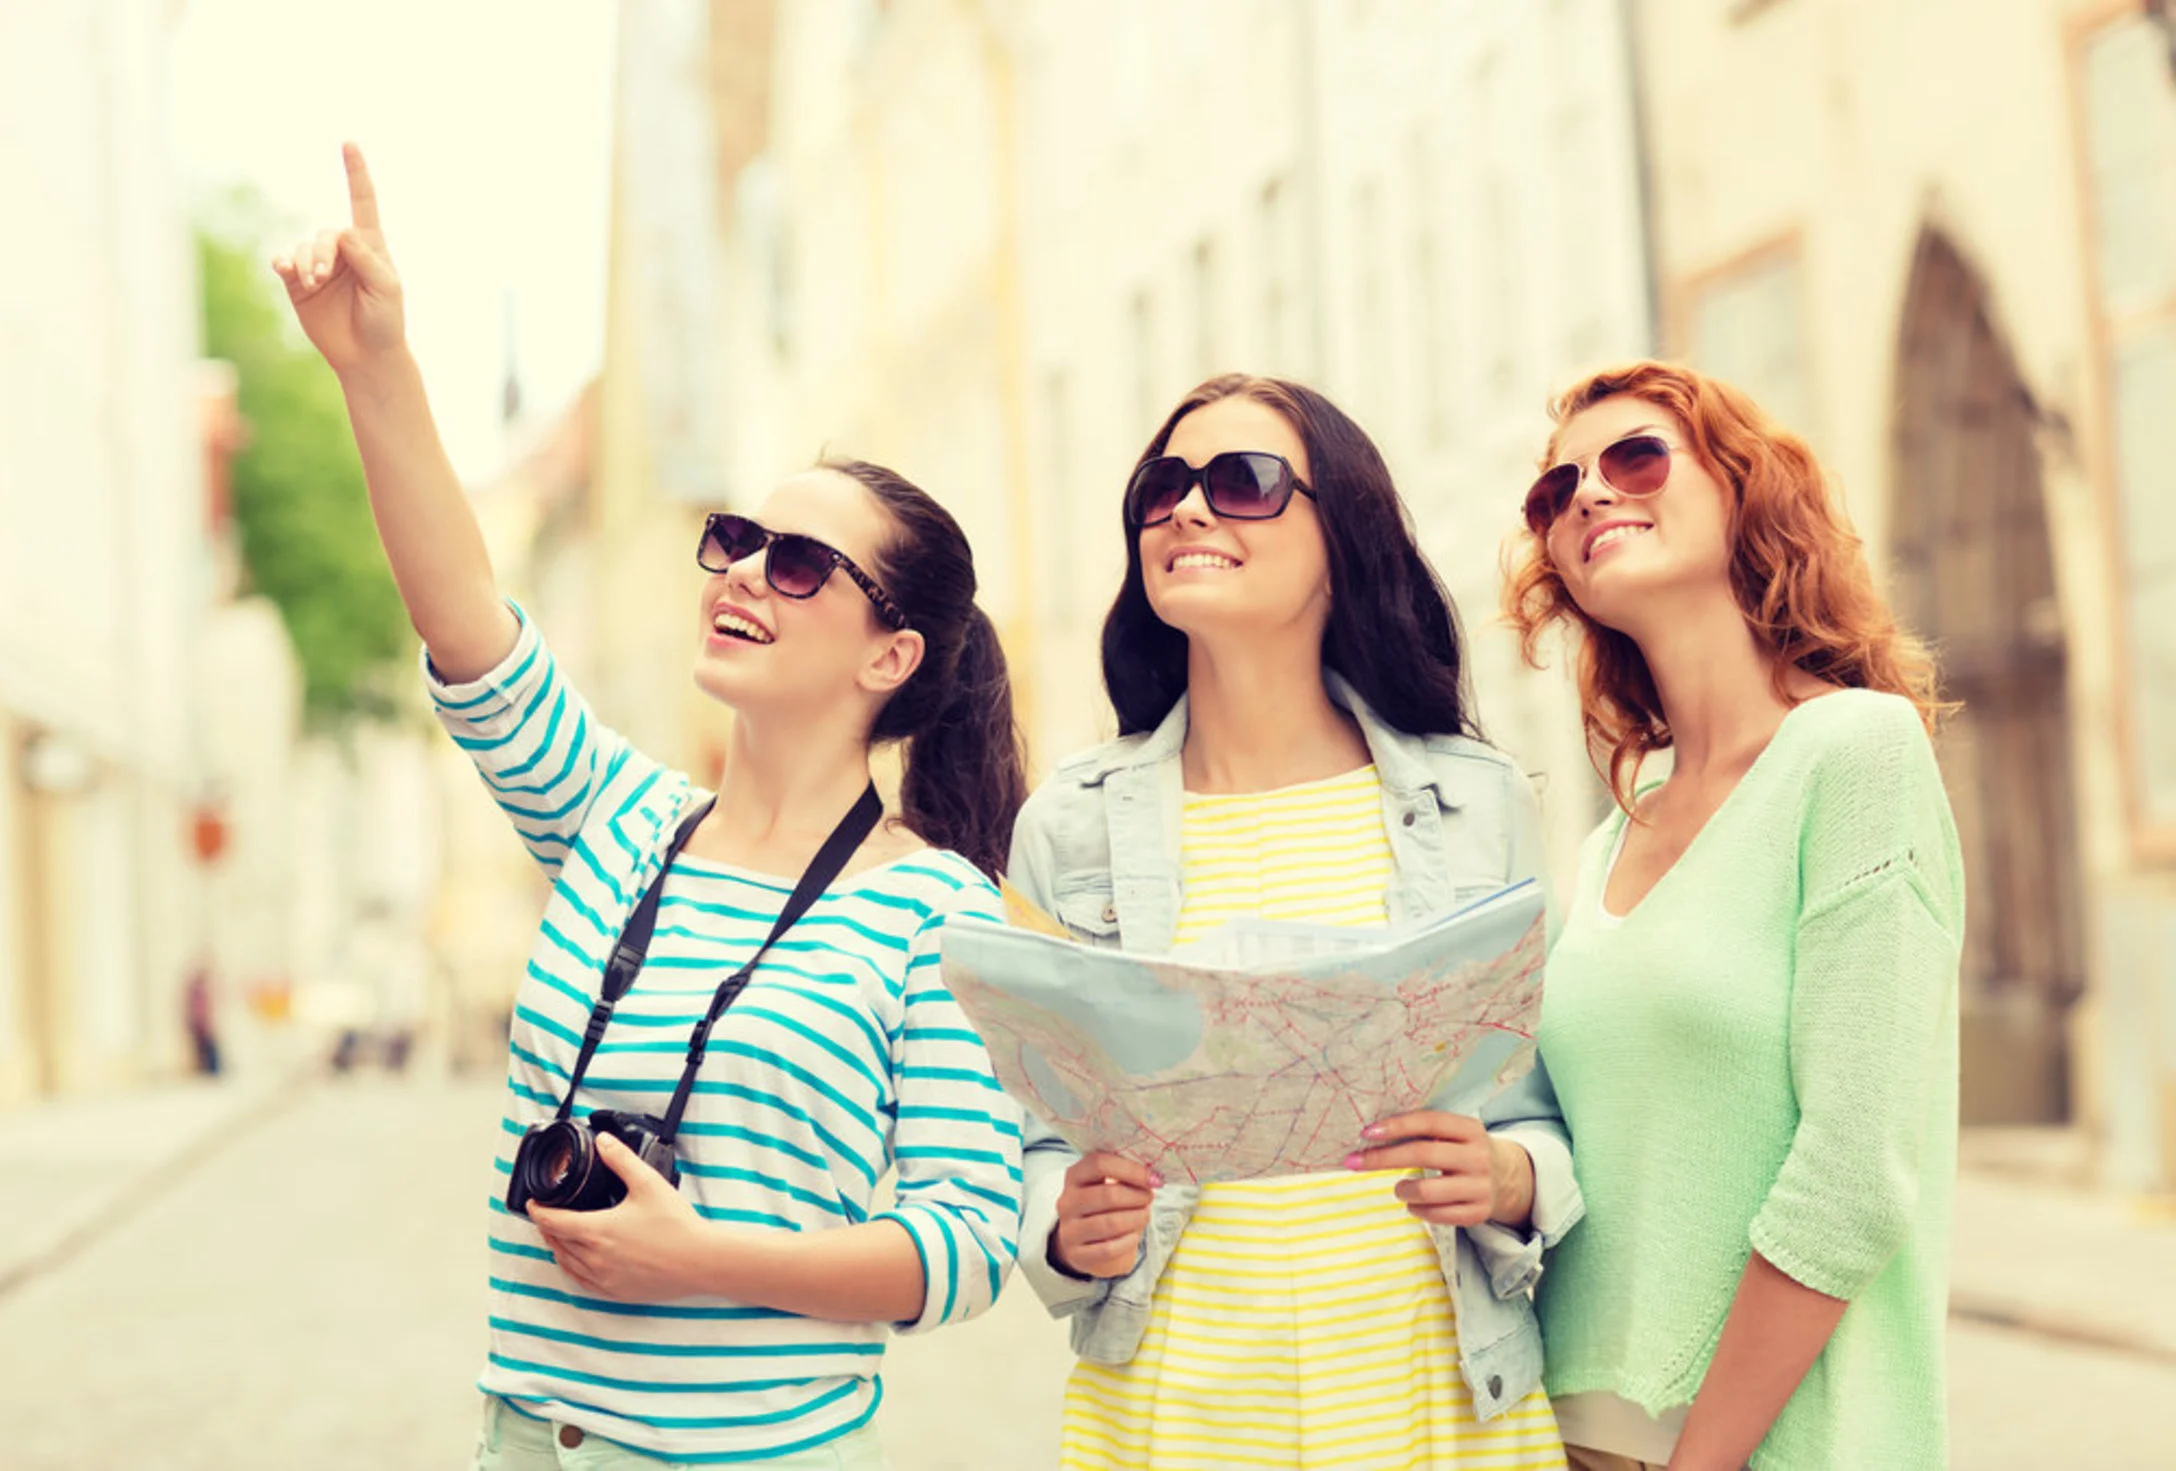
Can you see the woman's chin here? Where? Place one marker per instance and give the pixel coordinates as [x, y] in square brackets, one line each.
[1197, 610]
[728, 680]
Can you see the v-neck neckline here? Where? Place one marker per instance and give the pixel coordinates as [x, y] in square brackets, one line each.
[1613, 853]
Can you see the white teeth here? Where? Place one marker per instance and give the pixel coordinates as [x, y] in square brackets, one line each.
[1201, 559]
[741, 627]
[1611, 537]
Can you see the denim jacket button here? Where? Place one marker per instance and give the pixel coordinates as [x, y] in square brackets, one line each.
[1495, 1386]
[1110, 914]
[1409, 819]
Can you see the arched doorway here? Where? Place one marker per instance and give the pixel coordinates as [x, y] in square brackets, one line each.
[1975, 575]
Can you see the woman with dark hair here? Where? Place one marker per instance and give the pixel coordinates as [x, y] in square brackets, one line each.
[711, 1279]
[1752, 1009]
[1296, 743]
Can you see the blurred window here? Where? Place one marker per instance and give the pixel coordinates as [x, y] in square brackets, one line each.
[1432, 383]
[2129, 108]
[1746, 324]
[1145, 405]
[1059, 551]
[1207, 342]
[1375, 346]
[1275, 212]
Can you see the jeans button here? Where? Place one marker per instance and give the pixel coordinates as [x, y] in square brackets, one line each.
[570, 1436]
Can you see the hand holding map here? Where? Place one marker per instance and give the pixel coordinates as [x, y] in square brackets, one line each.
[1263, 1051]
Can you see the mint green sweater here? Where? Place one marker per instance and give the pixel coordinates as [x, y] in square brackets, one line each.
[1763, 1057]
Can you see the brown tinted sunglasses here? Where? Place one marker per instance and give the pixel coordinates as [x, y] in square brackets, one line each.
[1636, 465]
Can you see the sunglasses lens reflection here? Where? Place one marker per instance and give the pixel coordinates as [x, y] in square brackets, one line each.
[1636, 466]
[1246, 487]
[1157, 489]
[726, 540]
[798, 566]
[1551, 496]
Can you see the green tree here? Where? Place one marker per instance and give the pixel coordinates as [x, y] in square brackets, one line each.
[307, 541]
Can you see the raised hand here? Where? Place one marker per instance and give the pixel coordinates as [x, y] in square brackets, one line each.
[342, 283]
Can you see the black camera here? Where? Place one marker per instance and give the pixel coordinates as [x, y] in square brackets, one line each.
[558, 1165]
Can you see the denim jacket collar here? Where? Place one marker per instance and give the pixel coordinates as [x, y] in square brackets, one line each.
[1400, 758]
[1145, 797]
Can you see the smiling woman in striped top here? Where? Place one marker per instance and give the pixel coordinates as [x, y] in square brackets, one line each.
[739, 1316]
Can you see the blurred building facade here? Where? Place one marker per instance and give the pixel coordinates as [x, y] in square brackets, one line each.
[538, 516]
[993, 244]
[105, 560]
[164, 814]
[1940, 240]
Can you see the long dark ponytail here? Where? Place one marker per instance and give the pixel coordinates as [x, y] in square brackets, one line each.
[966, 774]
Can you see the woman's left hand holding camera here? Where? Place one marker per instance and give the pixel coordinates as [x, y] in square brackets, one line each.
[651, 1247]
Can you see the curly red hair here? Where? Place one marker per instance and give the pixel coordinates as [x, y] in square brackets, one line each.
[1798, 570]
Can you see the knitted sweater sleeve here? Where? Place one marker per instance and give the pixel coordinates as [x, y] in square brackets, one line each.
[1873, 988]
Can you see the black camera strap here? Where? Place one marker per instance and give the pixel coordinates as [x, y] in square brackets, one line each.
[830, 861]
[634, 944]
[627, 953]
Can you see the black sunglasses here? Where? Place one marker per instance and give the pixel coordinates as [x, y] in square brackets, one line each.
[1240, 485]
[797, 566]
[1637, 465]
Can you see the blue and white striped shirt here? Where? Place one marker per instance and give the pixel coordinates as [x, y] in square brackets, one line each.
[844, 1058]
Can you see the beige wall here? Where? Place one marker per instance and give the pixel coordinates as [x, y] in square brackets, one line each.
[1799, 151]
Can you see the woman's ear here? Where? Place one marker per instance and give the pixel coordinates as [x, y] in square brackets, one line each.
[894, 663]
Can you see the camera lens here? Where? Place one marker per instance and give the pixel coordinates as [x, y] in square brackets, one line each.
[556, 1166]
[555, 1163]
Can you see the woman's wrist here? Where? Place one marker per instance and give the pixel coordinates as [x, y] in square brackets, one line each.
[380, 374]
[1511, 1172]
[732, 1261]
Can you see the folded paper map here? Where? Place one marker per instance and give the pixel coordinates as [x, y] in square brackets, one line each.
[1265, 1048]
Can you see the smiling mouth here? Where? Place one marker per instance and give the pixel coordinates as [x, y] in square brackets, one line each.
[1212, 561]
[1612, 536]
[732, 625]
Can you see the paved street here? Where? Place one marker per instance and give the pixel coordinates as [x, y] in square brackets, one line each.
[308, 1295]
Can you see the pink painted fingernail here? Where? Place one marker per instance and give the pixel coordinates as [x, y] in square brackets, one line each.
[1372, 1131]
[1155, 1181]
[1354, 1161]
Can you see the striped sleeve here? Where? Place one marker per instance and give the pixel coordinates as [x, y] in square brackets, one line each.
[540, 751]
[957, 1141]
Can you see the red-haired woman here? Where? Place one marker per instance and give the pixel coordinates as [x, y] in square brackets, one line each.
[1751, 1011]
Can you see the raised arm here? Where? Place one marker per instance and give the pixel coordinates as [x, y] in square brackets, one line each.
[347, 296]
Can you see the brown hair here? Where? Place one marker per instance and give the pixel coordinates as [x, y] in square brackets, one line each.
[1798, 570]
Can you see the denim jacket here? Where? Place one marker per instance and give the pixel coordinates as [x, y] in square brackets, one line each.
[1098, 846]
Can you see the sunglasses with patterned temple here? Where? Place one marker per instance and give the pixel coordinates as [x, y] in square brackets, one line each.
[1636, 465]
[795, 566]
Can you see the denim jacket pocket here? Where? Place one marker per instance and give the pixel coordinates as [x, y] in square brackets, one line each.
[1089, 910]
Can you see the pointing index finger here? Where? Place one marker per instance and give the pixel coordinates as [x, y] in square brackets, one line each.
[362, 197]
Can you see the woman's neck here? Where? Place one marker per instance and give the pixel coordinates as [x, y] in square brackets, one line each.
[784, 788]
[1259, 718]
[1718, 690]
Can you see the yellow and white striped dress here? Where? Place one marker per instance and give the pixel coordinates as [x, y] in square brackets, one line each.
[1301, 1322]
